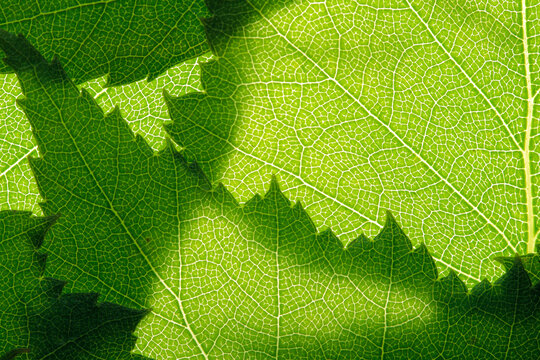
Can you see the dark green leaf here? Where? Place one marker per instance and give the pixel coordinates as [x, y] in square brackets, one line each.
[36, 321]
[126, 40]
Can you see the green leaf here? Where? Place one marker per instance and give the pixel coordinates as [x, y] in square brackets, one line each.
[223, 280]
[36, 320]
[531, 262]
[425, 108]
[17, 186]
[123, 39]
[120, 39]
[141, 104]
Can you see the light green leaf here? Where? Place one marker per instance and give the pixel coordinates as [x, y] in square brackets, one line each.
[141, 103]
[36, 321]
[145, 230]
[17, 186]
[123, 39]
[424, 108]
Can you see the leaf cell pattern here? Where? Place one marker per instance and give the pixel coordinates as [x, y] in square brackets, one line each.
[224, 280]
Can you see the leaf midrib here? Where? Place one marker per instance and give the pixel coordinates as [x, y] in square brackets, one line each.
[531, 238]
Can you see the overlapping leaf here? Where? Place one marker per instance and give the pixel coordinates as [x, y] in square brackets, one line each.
[252, 281]
[531, 263]
[36, 321]
[426, 108]
[123, 40]
[141, 103]
[126, 40]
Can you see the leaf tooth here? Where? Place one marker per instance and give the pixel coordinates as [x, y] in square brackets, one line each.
[192, 167]
[392, 239]
[516, 280]
[224, 194]
[253, 202]
[37, 233]
[195, 169]
[451, 286]
[329, 242]
[22, 56]
[360, 244]
[425, 261]
[57, 72]
[274, 185]
[115, 120]
[170, 151]
[275, 195]
[170, 148]
[304, 218]
[481, 289]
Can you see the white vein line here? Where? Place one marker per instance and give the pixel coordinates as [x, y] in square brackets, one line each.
[18, 161]
[111, 207]
[471, 81]
[526, 149]
[181, 261]
[56, 12]
[391, 131]
[317, 191]
[386, 304]
[112, 289]
[456, 269]
[280, 169]
[278, 317]
[536, 94]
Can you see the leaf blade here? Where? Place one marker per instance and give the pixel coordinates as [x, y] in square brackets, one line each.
[93, 38]
[357, 118]
[36, 319]
[230, 280]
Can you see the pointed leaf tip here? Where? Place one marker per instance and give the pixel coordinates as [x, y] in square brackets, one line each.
[357, 244]
[426, 261]
[169, 146]
[167, 97]
[390, 219]
[392, 236]
[274, 185]
[20, 54]
[453, 283]
[516, 278]
[37, 234]
[274, 192]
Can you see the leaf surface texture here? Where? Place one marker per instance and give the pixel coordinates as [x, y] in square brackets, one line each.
[147, 230]
[424, 108]
[36, 320]
[126, 40]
